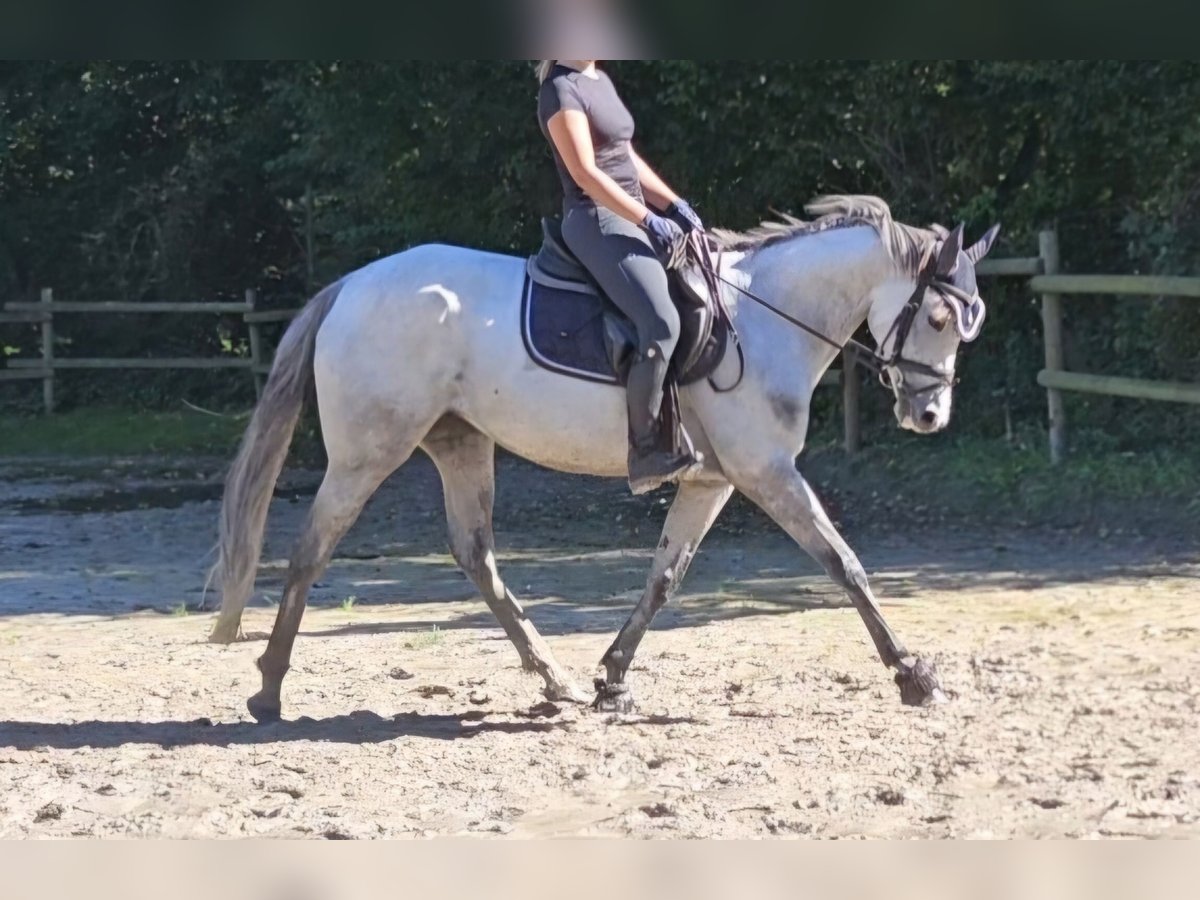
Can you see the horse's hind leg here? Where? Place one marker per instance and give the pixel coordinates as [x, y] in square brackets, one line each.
[695, 508]
[341, 497]
[465, 457]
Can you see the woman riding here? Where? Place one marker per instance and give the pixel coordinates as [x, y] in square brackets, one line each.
[622, 242]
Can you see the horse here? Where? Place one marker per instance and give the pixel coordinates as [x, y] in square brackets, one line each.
[422, 349]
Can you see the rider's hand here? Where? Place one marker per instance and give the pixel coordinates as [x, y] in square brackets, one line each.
[667, 238]
[681, 213]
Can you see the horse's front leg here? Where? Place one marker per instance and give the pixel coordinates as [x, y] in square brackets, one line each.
[786, 497]
[694, 509]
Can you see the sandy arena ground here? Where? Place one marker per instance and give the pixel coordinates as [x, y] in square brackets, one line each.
[1073, 662]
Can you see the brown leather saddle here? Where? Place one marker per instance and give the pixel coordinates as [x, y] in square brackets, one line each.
[569, 326]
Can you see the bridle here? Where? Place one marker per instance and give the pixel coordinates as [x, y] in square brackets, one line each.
[927, 279]
[881, 366]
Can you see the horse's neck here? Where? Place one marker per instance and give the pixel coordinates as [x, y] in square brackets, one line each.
[824, 280]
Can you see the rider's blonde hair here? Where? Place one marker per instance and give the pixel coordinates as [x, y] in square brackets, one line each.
[543, 69]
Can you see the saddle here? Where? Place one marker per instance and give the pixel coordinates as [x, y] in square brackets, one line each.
[569, 326]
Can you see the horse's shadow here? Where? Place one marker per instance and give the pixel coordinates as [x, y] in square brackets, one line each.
[362, 727]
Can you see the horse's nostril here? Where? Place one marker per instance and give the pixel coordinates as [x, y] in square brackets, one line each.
[929, 417]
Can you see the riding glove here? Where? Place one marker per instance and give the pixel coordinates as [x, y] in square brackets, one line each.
[681, 213]
[667, 238]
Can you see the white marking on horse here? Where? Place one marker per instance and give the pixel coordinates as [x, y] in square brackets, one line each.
[453, 306]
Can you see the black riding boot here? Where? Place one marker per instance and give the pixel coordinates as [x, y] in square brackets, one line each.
[654, 457]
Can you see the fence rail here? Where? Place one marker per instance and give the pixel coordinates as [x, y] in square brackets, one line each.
[1130, 285]
[20, 317]
[134, 362]
[126, 307]
[23, 374]
[1116, 386]
[1016, 266]
[271, 315]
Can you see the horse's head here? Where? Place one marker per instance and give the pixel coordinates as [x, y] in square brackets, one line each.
[919, 323]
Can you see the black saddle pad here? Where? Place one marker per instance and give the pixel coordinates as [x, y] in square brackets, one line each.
[563, 330]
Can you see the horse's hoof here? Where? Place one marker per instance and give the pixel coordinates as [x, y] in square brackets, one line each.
[265, 711]
[221, 635]
[919, 685]
[612, 698]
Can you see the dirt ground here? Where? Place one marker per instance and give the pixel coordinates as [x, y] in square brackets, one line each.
[1073, 662]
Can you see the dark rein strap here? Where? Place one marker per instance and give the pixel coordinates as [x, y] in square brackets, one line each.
[861, 351]
[700, 252]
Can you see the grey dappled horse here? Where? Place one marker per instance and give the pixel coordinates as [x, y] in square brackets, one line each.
[423, 349]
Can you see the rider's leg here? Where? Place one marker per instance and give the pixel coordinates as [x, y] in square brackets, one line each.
[619, 256]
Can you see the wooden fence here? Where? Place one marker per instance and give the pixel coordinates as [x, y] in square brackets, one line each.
[48, 363]
[1042, 272]
[1055, 378]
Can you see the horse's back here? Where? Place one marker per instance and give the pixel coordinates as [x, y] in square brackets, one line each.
[417, 318]
[469, 273]
[429, 283]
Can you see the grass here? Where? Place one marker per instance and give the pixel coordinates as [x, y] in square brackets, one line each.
[423, 639]
[348, 603]
[995, 480]
[114, 432]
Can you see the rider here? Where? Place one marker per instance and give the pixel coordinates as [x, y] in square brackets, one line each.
[621, 241]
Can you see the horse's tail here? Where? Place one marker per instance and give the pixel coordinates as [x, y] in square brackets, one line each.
[259, 460]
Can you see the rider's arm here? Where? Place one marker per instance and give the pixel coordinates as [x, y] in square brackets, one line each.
[572, 138]
[655, 189]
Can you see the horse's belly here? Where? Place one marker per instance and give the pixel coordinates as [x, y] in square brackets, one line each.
[559, 422]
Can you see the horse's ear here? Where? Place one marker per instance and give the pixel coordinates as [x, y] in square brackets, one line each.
[980, 248]
[948, 255]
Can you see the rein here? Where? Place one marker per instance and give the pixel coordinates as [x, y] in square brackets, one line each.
[878, 364]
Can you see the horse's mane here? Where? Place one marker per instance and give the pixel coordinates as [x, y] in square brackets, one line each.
[905, 244]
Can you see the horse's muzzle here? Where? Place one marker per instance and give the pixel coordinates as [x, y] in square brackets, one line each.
[925, 413]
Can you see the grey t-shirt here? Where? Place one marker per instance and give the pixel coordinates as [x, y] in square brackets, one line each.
[611, 127]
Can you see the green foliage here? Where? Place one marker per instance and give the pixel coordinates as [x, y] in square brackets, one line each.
[185, 180]
[97, 431]
[952, 478]
[421, 640]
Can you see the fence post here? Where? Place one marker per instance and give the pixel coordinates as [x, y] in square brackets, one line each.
[1053, 338]
[255, 344]
[850, 402]
[48, 350]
